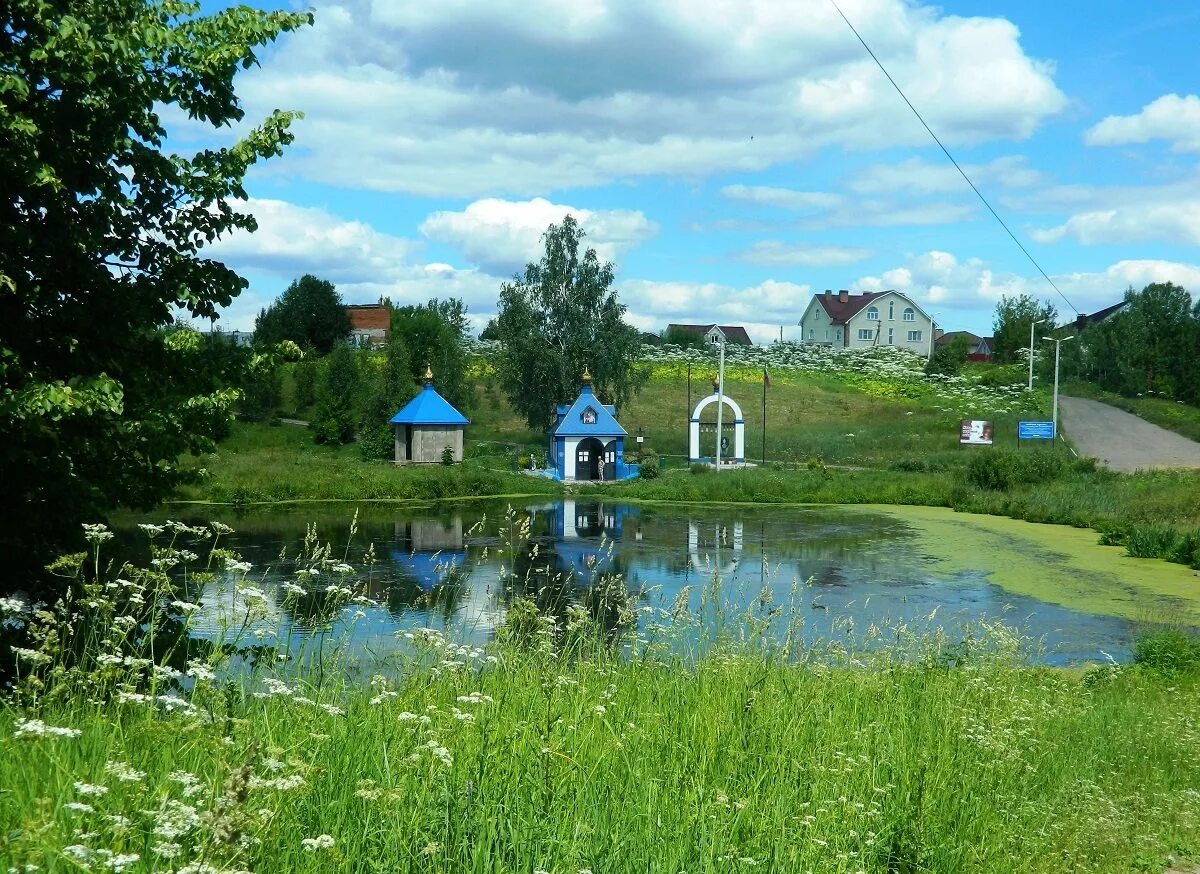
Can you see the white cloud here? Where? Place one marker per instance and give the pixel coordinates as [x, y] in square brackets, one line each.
[784, 198]
[1173, 222]
[501, 236]
[469, 99]
[361, 261]
[940, 281]
[1171, 117]
[918, 176]
[773, 253]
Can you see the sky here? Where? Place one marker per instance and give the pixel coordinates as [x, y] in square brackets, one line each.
[731, 157]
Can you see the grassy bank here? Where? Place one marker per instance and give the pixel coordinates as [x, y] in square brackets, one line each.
[552, 751]
[261, 462]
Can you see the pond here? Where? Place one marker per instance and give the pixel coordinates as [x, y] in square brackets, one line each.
[848, 575]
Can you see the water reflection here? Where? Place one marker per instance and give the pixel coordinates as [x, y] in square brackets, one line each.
[460, 568]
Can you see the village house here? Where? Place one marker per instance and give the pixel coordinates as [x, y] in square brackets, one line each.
[370, 325]
[872, 318]
[714, 334]
[978, 348]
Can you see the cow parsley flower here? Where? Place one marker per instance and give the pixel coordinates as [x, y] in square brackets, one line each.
[37, 728]
[320, 842]
[90, 789]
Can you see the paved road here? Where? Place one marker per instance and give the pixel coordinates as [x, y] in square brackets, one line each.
[1122, 440]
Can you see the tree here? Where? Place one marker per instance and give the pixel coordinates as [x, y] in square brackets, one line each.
[390, 388]
[1014, 315]
[103, 227]
[949, 358]
[434, 335]
[677, 336]
[310, 313]
[337, 397]
[490, 331]
[559, 319]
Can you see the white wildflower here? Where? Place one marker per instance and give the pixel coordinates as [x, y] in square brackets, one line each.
[91, 789]
[320, 842]
[124, 772]
[30, 655]
[37, 728]
[79, 807]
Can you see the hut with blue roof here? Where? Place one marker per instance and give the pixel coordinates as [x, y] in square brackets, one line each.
[426, 426]
[587, 442]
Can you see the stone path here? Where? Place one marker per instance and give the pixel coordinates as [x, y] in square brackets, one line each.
[1121, 440]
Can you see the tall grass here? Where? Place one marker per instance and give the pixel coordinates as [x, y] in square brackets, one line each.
[561, 751]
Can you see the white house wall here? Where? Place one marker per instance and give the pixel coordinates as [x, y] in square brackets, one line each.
[899, 327]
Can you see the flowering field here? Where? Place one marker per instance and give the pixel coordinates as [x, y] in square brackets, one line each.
[127, 745]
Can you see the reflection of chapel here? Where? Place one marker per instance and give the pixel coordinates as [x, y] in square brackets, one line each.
[586, 442]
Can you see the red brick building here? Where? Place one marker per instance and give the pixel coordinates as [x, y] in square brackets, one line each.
[370, 325]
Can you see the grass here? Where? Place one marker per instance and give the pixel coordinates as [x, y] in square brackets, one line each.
[261, 463]
[553, 750]
[1173, 415]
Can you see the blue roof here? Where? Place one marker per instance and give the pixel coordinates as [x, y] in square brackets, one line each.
[429, 408]
[603, 423]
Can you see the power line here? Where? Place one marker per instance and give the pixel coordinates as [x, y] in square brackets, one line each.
[979, 193]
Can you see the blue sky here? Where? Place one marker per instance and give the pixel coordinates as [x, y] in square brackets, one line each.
[732, 158]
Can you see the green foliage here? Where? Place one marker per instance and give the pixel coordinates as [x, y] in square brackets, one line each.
[447, 455]
[490, 331]
[103, 229]
[1168, 650]
[304, 384]
[949, 358]
[1148, 348]
[262, 391]
[1014, 316]
[310, 313]
[558, 320]
[337, 397]
[648, 467]
[676, 336]
[388, 389]
[434, 334]
[1001, 469]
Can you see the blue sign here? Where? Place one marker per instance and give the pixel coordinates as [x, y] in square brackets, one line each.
[1035, 430]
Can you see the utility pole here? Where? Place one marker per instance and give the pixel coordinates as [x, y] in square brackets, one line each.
[1030, 387]
[1057, 349]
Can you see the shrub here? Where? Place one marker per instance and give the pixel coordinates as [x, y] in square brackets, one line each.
[447, 455]
[699, 468]
[1001, 469]
[1169, 650]
[648, 468]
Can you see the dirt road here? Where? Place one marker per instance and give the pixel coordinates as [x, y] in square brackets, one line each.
[1121, 440]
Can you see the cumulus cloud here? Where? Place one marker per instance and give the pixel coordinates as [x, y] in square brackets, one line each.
[1171, 117]
[822, 210]
[773, 253]
[501, 236]
[940, 281]
[469, 99]
[361, 261]
[1173, 222]
[784, 198]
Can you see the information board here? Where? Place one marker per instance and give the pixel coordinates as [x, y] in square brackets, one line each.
[1035, 430]
[975, 431]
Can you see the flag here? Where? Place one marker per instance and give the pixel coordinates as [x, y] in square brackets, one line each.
[766, 379]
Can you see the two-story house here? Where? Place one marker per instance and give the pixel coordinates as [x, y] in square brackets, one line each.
[872, 318]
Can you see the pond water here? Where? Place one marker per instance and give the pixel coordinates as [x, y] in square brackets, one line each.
[850, 575]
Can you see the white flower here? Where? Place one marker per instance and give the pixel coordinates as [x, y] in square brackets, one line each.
[30, 655]
[79, 807]
[200, 671]
[240, 567]
[90, 789]
[124, 772]
[320, 842]
[121, 861]
[185, 606]
[13, 605]
[96, 534]
[37, 728]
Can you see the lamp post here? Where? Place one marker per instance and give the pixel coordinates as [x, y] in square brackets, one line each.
[1031, 327]
[933, 317]
[1057, 349]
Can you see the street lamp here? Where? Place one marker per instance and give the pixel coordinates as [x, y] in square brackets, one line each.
[1031, 326]
[1057, 348]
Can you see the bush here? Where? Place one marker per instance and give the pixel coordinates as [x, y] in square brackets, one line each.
[699, 468]
[648, 468]
[1171, 650]
[448, 455]
[1001, 469]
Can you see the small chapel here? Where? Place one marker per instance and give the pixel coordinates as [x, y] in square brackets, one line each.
[586, 442]
[427, 426]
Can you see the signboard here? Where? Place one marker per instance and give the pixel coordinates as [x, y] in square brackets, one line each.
[976, 432]
[1035, 430]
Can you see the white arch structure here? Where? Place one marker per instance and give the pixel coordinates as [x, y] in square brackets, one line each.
[739, 430]
[698, 558]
